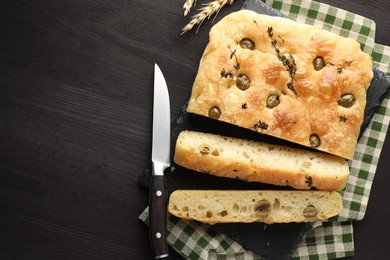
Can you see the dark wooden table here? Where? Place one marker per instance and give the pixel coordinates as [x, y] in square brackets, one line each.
[76, 81]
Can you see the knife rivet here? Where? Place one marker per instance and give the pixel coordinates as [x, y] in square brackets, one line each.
[158, 234]
[158, 193]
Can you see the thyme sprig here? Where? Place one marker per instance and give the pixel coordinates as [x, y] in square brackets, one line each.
[343, 118]
[287, 60]
[225, 74]
[233, 54]
[229, 73]
[261, 125]
[309, 180]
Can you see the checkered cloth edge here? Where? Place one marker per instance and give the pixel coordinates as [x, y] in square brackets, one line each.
[332, 239]
[330, 18]
[194, 240]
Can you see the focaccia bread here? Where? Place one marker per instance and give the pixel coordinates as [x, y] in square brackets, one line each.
[260, 162]
[285, 79]
[245, 206]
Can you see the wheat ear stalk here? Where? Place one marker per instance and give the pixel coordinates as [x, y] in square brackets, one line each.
[188, 5]
[206, 11]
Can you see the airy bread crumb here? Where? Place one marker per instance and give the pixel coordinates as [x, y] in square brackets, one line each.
[260, 162]
[268, 206]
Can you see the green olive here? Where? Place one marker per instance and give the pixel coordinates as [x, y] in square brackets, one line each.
[243, 82]
[214, 112]
[318, 63]
[346, 100]
[272, 101]
[247, 44]
[263, 206]
[204, 149]
[310, 212]
[314, 140]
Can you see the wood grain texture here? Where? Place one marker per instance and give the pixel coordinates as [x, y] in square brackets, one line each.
[76, 89]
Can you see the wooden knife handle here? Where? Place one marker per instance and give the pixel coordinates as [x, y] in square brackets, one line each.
[158, 216]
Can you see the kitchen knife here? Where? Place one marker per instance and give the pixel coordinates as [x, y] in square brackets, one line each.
[160, 161]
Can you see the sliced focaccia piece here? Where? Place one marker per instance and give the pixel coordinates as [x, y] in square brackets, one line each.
[268, 206]
[260, 162]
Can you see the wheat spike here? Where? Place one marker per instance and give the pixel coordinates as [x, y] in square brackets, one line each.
[188, 5]
[206, 11]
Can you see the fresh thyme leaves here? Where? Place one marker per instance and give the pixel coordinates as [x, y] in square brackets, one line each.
[225, 74]
[233, 54]
[270, 32]
[288, 61]
[292, 67]
[309, 180]
[261, 125]
[281, 38]
[343, 118]
[291, 87]
[348, 63]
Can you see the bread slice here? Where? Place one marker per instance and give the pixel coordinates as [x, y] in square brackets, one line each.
[284, 79]
[268, 206]
[260, 162]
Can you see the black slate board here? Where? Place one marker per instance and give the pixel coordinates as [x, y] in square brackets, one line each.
[275, 241]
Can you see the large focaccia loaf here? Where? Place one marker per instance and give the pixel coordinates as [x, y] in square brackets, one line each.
[285, 79]
[268, 206]
[260, 162]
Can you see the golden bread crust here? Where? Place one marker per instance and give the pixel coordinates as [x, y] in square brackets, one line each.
[281, 64]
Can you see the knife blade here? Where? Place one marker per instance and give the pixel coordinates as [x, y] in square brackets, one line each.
[160, 161]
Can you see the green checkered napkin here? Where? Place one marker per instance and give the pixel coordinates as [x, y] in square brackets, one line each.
[327, 240]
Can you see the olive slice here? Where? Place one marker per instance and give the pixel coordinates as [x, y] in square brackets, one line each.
[243, 82]
[204, 149]
[318, 63]
[310, 212]
[263, 207]
[346, 100]
[214, 112]
[314, 140]
[247, 44]
[272, 101]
